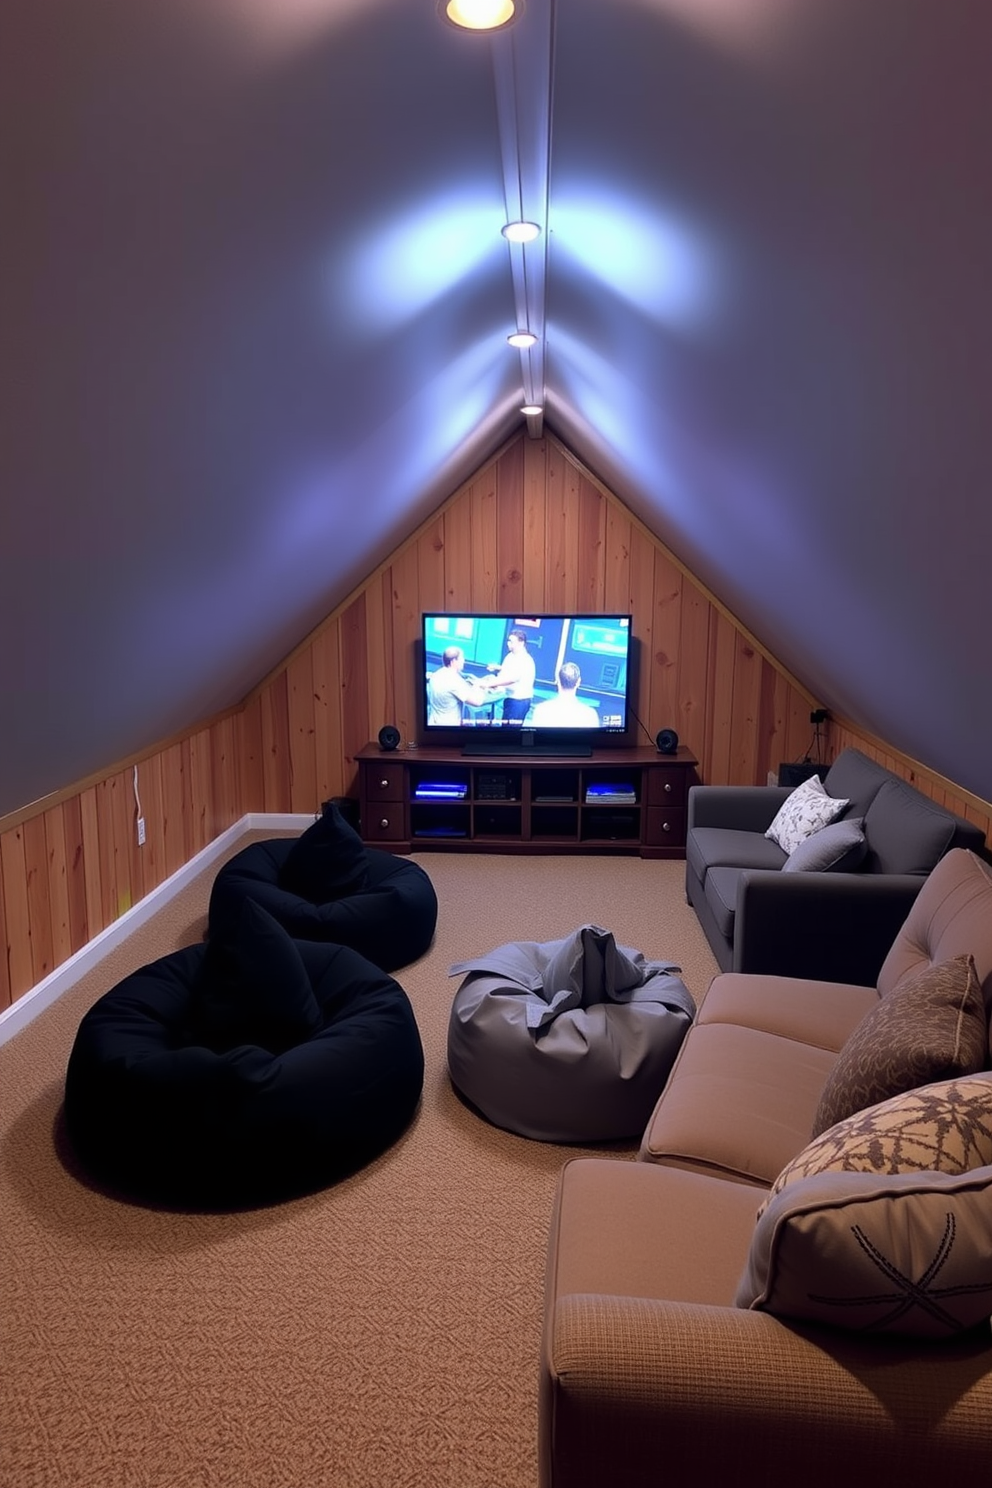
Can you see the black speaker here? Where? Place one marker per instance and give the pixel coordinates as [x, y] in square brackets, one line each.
[389, 736]
[667, 741]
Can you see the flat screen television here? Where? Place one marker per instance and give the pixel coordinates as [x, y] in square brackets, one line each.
[519, 684]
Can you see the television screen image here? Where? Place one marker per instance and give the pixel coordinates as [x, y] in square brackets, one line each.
[565, 674]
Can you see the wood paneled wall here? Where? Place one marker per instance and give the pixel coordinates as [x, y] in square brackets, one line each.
[531, 531]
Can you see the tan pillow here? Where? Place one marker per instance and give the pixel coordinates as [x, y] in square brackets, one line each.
[859, 1233]
[943, 1128]
[932, 1026]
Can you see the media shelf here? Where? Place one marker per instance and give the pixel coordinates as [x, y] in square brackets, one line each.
[626, 800]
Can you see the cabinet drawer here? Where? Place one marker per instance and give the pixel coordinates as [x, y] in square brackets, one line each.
[667, 787]
[383, 822]
[384, 782]
[665, 826]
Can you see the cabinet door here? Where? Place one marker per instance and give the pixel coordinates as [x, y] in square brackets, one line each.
[665, 826]
[667, 785]
[384, 782]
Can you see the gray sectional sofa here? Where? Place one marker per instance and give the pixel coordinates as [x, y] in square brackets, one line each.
[838, 924]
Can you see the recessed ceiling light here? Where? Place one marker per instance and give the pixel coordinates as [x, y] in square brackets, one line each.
[521, 232]
[531, 410]
[481, 15]
[522, 338]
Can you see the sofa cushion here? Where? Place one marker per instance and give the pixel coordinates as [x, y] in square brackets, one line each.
[856, 778]
[906, 833]
[933, 1026]
[738, 1103]
[859, 1246]
[720, 890]
[840, 846]
[708, 847]
[803, 812]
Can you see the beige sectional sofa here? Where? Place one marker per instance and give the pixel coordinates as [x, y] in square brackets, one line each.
[685, 1339]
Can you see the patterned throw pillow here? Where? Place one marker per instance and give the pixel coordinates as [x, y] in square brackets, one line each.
[802, 813]
[943, 1128]
[931, 1026]
[881, 1225]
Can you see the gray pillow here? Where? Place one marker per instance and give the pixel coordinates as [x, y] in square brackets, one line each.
[839, 847]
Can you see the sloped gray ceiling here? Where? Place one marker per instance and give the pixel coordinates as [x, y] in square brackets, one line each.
[254, 302]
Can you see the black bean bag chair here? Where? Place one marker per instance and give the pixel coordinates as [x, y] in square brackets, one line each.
[326, 885]
[242, 1072]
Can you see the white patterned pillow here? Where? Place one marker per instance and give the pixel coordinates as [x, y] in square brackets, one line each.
[802, 813]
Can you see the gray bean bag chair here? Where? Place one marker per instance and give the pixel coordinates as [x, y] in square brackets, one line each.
[327, 886]
[568, 1040]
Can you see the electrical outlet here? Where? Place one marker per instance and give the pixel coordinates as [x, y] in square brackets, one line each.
[141, 831]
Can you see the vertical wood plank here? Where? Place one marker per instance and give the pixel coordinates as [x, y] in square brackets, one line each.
[407, 606]
[745, 712]
[535, 524]
[485, 577]
[665, 599]
[693, 678]
[590, 571]
[58, 885]
[251, 779]
[458, 557]
[510, 532]
[224, 776]
[327, 715]
[72, 828]
[275, 745]
[199, 809]
[301, 726]
[7, 996]
[17, 917]
[721, 692]
[356, 723]
[39, 905]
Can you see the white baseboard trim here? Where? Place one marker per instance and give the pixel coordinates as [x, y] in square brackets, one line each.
[59, 981]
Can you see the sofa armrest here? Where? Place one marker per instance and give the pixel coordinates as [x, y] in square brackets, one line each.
[637, 1392]
[834, 927]
[740, 808]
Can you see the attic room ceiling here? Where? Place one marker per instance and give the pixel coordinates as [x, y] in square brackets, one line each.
[255, 308]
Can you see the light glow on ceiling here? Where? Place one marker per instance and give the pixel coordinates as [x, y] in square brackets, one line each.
[413, 261]
[664, 267]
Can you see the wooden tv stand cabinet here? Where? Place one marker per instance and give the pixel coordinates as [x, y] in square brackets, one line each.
[624, 800]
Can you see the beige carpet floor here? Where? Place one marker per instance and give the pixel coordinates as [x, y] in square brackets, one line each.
[380, 1334]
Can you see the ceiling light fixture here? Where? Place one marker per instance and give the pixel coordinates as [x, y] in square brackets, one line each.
[522, 339]
[523, 73]
[481, 15]
[521, 232]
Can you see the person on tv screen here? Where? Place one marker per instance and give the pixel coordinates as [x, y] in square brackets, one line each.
[565, 710]
[448, 690]
[515, 673]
